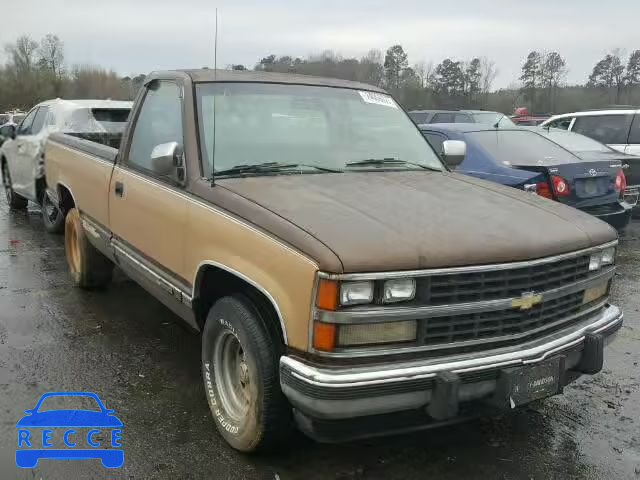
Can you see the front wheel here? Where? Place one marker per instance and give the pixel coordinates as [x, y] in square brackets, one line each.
[15, 201]
[52, 215]
[240, 373]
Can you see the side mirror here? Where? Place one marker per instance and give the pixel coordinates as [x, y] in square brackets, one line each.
[453, 152]
[166, 159]
[8, 131]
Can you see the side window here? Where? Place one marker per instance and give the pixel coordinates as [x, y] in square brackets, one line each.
[159, 121]
[435, 140]
[419, 117]
[25, 125]
[562, 123]
[463, 118]
[608, 129]
[634, 134]
[443, 118]
[38, 121]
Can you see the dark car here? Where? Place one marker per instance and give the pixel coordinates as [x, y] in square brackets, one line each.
[460, 116]
[526, 159]
[591, 150]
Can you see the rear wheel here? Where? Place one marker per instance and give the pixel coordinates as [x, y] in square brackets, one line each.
[15, 201]
[240, 373]
[88, 267]
[52, 215]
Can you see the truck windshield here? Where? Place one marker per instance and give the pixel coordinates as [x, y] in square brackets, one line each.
[258, 123]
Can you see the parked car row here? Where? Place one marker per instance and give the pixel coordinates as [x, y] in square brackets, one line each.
[342, 278]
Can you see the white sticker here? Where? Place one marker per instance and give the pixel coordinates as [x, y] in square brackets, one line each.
[377, 98]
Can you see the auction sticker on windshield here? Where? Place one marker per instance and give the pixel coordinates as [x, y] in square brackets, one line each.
[377, 98]
[54, 430]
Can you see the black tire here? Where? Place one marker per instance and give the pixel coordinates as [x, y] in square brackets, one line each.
[52, 215]
[15, 201]
[267, 420]
[88, 267]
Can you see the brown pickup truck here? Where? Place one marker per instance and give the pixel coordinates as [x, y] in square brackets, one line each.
[342, 279]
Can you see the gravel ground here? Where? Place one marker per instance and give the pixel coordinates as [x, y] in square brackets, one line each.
[130, 350]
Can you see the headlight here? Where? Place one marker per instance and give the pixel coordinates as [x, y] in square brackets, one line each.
[399, 290]
[356, 293]
[375, 333]
[606, 256]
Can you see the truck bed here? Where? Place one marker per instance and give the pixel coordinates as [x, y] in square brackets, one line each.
[102, 145]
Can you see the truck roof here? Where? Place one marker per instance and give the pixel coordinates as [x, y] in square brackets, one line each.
[204, 75]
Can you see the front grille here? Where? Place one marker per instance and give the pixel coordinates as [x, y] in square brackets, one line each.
[478, 286]
[542, 319]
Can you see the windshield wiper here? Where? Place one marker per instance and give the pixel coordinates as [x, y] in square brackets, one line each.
[391, 162]
[271, 167]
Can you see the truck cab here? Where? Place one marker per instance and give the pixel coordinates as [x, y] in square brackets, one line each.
[342, 279]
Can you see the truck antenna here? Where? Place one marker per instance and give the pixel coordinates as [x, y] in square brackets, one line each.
[215, 77]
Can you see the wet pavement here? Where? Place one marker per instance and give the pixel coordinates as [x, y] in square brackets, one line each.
[123, 345]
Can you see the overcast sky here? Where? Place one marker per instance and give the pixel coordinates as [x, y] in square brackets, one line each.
[137, 36]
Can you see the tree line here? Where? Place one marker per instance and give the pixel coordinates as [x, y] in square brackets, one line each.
[36, 71]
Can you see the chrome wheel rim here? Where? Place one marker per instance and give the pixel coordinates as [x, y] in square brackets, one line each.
[74, 251]
[232, 374]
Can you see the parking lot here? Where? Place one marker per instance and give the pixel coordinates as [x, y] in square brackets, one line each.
[126, 347]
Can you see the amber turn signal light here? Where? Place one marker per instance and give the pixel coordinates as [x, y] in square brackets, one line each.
[327, 294]
[324, 336]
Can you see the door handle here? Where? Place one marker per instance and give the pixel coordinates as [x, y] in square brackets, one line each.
[119, 189]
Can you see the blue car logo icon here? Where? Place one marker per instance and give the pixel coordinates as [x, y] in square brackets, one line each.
[84, 433]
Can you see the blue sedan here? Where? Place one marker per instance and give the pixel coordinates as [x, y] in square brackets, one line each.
[528, 160]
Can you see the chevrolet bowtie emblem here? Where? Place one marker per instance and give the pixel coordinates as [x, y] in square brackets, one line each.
[526, 301]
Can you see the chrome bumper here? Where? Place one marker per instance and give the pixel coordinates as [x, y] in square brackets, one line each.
[348, 392]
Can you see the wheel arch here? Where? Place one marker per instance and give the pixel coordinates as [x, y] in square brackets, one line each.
[213, 280]
[66, 200]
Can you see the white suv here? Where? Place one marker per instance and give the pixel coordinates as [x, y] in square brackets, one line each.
[619, 127]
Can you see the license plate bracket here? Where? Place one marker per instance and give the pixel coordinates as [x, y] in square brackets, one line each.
[534, 382]
[521, 385]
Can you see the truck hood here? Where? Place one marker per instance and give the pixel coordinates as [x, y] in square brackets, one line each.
[381, 221]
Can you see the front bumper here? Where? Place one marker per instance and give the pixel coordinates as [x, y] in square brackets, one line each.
[333, 395]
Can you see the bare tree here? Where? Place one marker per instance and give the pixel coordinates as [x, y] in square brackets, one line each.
[553, 70]
[51, 54]
[23, 53]
[488, 74]
[51, 59]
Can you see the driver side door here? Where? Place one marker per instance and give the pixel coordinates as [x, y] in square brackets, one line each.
[147, 208]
